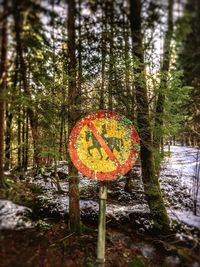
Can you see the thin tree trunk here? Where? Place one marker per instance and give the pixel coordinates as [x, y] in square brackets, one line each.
[127, 69]
[9, 118]
[150, 179]
[73, 114]
[8, 137]
[26, 144]
[54, 137]
[111, 55]
[65, 138]
[129, 111]
[18, 19]
[3, 81]
[80, 70]
[23, 137]
[19, 143]
[103, 53]
[160, 105]
[62, 121]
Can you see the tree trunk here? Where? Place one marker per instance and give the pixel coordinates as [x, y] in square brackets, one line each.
[23, 137]
[73, 115]
[62, 122]
[103, 54]
[9, 118]
[127, 67]
[8, 138]
[150, 179]
[3, 81]
[160, 105]
[26, 144]
[111, 55]
[19, 143]
[18, 20]
[80, 70]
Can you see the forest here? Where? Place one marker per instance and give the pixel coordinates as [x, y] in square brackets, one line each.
[129, 65]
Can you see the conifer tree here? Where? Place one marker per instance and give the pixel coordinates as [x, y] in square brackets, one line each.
[160, 103]
[73, 115]
[189, 62]
[149, 176]
[3, 80]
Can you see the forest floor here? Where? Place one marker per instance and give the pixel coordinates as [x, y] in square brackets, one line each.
[33, 218]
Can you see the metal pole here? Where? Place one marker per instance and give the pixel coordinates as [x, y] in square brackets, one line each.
[102, 225]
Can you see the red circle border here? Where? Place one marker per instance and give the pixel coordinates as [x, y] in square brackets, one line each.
[120, 171]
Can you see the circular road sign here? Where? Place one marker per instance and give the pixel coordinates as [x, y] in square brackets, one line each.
[104, 145]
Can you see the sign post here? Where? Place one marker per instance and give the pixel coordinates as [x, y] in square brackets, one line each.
[103, 146]
[102, 225]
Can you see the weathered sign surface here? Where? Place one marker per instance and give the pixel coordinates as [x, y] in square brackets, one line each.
[104, 145]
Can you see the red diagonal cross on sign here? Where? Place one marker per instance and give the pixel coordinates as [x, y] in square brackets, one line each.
[103, 144]
[84, 161]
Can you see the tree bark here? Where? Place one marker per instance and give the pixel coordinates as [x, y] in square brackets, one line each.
[23, 137]
[19, 143]
[73, 115]
[150, 179]
[18, 20]
[9, 117]
[26, 144]
[111, 56]
[80, 69]
[3, 81]
[160, 105]
[129, 111]
[62, 123]
[103, 53]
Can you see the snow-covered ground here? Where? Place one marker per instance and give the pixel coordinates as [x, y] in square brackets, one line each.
[12, 216]
[176, 184]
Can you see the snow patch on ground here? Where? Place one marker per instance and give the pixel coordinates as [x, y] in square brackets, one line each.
[186, 216]
[177, 184]
[52, 203]
[12, 216]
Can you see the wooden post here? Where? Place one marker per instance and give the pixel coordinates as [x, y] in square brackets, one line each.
[102, 225]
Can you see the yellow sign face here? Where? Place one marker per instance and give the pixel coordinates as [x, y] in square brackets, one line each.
[91, 152]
